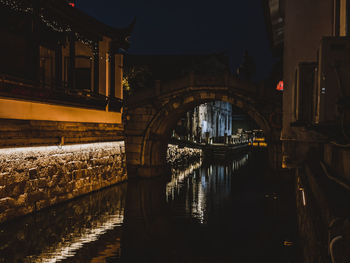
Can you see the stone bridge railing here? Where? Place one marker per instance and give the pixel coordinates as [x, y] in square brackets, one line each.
[164, 88]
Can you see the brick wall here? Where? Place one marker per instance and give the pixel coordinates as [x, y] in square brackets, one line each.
[33, 178]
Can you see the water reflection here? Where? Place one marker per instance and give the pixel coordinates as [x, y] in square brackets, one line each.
[199, 182]
[178, 175]
[63, 232]
[158, 220]
[70, 245]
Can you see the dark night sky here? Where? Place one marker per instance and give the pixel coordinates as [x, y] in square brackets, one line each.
[190, 27]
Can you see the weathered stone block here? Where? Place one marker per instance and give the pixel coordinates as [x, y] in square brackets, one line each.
[7, 203]
[51, 170]
[11, 178]
[79, 183]
[77, 174]
[53, 200]
[84, 165]
[43, 183]
[35, 183]
[3, 192]
[55, 191]
[36, 196]
[33, 173]
[22, 200]
[28, 188]
[12, 212]
[55, 179]
[23, 177]
[24, 210]
[63, 182]
[18, 189]
[42, 204]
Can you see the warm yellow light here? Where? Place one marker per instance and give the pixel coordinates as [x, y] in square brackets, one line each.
[35, 150]
[288, 243]
[259, 139]
[303, 195]
[72, 244]
[256, 144]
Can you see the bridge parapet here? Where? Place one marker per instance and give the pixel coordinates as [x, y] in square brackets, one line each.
[207, 82]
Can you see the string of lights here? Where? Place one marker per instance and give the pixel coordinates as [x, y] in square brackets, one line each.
[55, 25]
[50, 23]
[15, 6]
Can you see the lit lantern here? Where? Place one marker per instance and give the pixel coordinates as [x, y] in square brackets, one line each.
[71, 3]
[280, 86]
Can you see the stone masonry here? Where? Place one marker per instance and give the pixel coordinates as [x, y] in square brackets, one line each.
[183, 155]
[33, 178]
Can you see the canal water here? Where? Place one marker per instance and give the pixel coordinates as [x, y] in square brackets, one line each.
[208, 211]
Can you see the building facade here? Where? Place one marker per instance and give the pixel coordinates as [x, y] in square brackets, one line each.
[214, 120]
[312, 39]
[61, 101]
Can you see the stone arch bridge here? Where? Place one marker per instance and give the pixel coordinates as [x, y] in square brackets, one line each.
[151, 115]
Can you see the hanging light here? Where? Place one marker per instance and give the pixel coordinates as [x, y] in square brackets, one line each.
[71, 3]
[280, 86]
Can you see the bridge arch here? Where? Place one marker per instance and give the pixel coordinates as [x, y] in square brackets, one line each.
[149, 124]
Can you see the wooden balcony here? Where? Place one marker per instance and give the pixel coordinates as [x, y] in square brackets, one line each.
[58, 94]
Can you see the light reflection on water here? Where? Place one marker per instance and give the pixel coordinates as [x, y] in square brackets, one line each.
[177, 177]
[75, 241]
[89, 229]
[62, 232]
[199, 181]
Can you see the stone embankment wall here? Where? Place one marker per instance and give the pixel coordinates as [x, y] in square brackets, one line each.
[33, 178]
[176, 154]
[323, 215]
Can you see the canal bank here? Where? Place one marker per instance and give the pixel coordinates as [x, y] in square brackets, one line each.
[34, 178]
[210, 212]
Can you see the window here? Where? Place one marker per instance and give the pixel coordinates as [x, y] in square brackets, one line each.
[47, 67]
[83, 72]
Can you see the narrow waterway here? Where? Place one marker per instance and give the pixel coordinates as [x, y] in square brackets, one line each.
[203, 212]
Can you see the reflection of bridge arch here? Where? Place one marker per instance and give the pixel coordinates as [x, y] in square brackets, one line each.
[152, 116]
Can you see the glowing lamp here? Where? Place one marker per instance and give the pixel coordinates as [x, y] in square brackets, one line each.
[71, 3]
[280, 86]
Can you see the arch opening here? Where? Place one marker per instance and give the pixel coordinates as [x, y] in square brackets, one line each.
[159, 129]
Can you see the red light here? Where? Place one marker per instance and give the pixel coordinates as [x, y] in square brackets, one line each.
[280, 86]
[72, 4]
